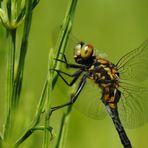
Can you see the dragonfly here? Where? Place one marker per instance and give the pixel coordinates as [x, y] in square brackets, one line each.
[120, 89]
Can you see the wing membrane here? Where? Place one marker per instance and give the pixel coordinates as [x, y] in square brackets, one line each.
[133, 105]
[133, 66]
[89, 101]
[133, 70]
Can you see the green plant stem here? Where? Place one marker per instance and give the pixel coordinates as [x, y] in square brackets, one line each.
[10, 82]
[36, 117]
[30, 132]
[10, 74]
[1, 141]
[14, 84]
[35, 3]
[62, 136]
[51, 80]
[65, 31]
[60, 48]
[64, 129]
[47, 114]
[23, 51]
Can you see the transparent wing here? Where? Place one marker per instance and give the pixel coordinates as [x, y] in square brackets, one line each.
[133, 105]
[133, 66]
[100, 53]
[89, 101]
[133, 70]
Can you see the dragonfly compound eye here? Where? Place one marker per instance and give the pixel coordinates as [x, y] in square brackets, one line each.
[86, 51]
[77, 50]
[83, 52]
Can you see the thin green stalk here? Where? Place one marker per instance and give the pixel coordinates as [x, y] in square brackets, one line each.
[64, 129]
[10, 73]
[65, 31]
[1, 141]
[0, 3]
[36, 117]
[52, 76]
[13, 36]
[9, 9]
[47, 112]
[10, 82]
[14, 84]
[62, 137]
[35, 3]
[23, 51]
[30, 132]
[41, 128]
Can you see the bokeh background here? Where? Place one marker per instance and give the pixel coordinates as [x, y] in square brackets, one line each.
[115, 27]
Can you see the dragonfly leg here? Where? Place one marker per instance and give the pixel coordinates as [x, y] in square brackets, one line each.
[74, 75]
[68, 65]
[75, 96]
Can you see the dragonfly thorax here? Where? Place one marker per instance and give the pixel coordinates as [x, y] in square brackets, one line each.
[104, 73]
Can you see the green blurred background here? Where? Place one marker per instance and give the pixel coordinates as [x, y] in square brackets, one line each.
[115, 27]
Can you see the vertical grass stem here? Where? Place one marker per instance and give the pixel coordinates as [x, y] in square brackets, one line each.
[52, 76]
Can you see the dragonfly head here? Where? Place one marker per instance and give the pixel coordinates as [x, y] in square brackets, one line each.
[83, 53]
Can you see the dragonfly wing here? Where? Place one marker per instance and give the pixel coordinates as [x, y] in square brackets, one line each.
[133, 105]
[133, 66]
[89, 101]
[133, 70]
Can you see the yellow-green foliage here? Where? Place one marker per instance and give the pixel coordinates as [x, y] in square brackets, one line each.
[113, 26]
